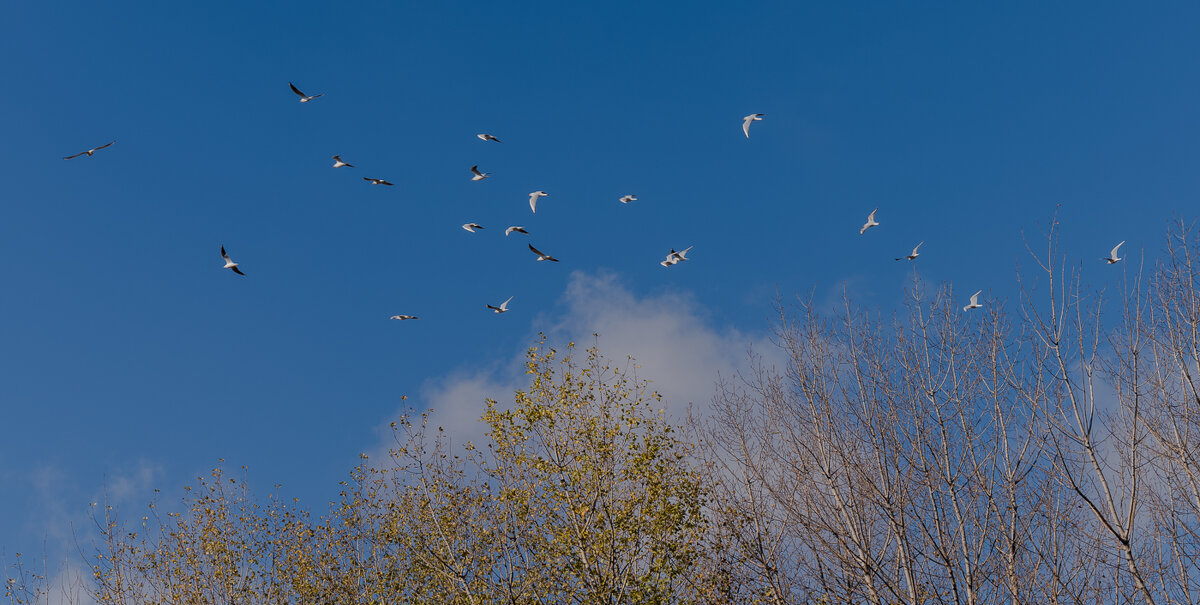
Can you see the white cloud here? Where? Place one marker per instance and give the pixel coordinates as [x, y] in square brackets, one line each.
[668, 334]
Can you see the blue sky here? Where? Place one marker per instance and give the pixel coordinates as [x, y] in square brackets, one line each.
[128, 355]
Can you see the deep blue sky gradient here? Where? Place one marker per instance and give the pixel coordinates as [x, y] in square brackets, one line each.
[122, 341]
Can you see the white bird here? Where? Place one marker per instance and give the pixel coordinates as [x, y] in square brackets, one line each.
[502, 308]
[1112, 256]
[338, 163]
[625, 199]
[89, 152]
[754, 117]
[472, 227]
[229, 264]
[479, 176]
[404, 317]
[487, 137]
[912, 255]
[871, 222]
[377, 181]
[974, 302]
[541, 255]
[515, 228]
[533, 198]
[303, 97]
[674, 257]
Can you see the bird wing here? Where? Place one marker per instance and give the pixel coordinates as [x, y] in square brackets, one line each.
[504, 305]
[918, 247]
[103, 146]
[475, 169]
[535, 250]
[975, 297]
[1113, 254]
[682, 254]
[871, 217]
[71, 157]
[494, 308]
[225, 256]
[367, 178]
[533, 197]
[238, 271]
[383, 182]
[296, 90]
[746, 125]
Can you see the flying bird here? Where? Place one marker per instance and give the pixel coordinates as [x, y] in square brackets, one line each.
[89, 152]
[502, 308]
[479, 176]
[625, 199]
[533, 198]
[472, 227]
[303, 97]
[754, 117]
[541, 255]
[377, 181]
[517, 229]
[871, 222]
[974, 302]
[338, 163]
[911, 255]
[674, 258]
[404, 317]
[229, 264]
[1112, 256]
[487, 137]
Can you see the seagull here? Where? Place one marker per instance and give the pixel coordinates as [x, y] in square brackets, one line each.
[303, 97]
[488, 137]
[404, 317]
[974, 302]
[541, 255]
[377, 181]
[871, 222]
[674, 257]
[479, 176]
[516, 228]
[1112, 256]
[502, 308]
[89, 152]
[229, 264]
[533, 198]
[338, 163]
[472, 227]
[754, 117]
[625, 199]
[911, 255]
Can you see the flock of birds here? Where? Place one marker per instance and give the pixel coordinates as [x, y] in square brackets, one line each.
[673, 257]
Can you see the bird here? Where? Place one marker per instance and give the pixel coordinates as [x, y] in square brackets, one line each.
[541, 255]
[533, 198]
[472, 227]
[625, 199]
[479, 176]
[674, 257]
[754, 117]
[338, 163]
[912, 255]
[303, 97]
[404, 317]
[229, 264]
[1112, 256]
[974, 302]
[515, 228]
[871, 222]
[488, 137]
[377, 181]
[89, 152]
[502, 308]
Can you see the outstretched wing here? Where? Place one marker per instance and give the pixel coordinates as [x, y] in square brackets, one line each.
[296, 90]
[103, 146]
[71, 157]
[238, 271]
[1113, 254]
